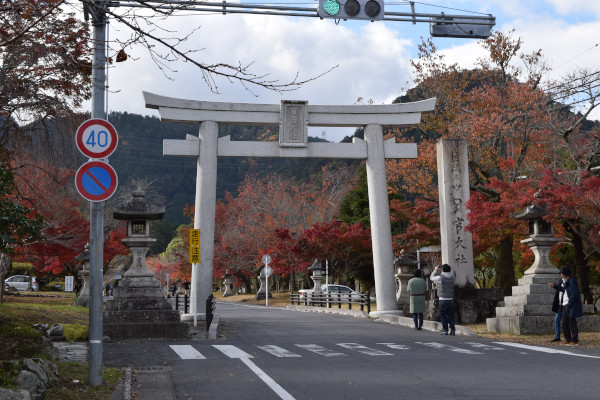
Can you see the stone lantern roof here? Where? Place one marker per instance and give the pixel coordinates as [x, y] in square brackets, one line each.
[137, 207]
[530, 212]
[316, 265]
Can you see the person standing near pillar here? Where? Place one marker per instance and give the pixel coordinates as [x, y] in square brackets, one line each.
[416, 287]
[557, 308]
[571, 305]
[445, 291]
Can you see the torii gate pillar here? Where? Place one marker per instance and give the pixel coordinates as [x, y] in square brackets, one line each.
[204, 216]
[381, 230]
[293, 118]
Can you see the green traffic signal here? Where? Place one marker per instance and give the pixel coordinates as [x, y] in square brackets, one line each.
[331, 7]
[351, 9]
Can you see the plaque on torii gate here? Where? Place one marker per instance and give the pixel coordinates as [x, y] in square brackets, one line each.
[293, 118]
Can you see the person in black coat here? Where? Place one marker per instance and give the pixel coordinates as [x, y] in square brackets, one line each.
[556, 307]
[570, 301]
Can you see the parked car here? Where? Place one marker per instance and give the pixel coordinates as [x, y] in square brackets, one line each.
[21, 282]
[344, 291]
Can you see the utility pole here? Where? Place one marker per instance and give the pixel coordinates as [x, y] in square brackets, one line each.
[97, 208]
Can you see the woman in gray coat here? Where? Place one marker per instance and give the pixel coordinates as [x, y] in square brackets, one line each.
[416, 288]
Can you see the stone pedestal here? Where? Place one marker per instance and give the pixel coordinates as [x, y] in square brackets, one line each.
[405, 271]
[228, 283]
[262, 291]
[83, 297]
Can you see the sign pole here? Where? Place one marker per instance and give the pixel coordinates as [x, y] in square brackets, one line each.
[97, 208]
[267, 287]
[266, 259]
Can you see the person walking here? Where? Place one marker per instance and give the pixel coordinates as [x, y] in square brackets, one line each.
[416, 288]
[557, 308]
[570, 300]
[445, 291]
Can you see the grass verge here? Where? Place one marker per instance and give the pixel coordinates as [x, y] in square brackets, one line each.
[19, 340]
[74, 383]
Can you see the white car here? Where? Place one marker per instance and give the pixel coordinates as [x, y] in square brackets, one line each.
[333, 290]
[21, 282]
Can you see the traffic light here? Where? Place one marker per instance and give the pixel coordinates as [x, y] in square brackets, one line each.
[459, 28]
[351, 9]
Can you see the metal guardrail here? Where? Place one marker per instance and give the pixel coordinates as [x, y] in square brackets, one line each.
[330, 300]
[211, 303]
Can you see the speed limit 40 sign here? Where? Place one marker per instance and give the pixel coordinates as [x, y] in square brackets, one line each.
[96, 138]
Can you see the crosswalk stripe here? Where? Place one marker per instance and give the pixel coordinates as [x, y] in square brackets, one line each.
[364, 349]
[436, 345]
[187, 352]
[278, 351]
[232, 351]
[483, 346]
[395, 346]
[321, 350]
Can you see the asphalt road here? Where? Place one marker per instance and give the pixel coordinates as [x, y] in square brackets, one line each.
[280, 354]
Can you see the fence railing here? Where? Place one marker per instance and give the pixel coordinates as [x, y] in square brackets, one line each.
[333, 300]
[185, 303]
[211, 303]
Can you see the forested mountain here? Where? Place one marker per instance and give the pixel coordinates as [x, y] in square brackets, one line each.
[139, 156]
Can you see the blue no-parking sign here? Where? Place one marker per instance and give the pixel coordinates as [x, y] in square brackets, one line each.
[96, 181]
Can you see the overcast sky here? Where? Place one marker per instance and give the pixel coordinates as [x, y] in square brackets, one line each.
[373, 59]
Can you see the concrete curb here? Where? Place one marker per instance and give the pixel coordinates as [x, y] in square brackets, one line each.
[433, 326]
[325, 310]
[214, 327]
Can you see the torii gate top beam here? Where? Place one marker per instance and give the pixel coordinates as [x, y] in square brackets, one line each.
[192, 111]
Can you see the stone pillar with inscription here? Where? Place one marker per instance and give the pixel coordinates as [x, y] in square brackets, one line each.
[453, 181]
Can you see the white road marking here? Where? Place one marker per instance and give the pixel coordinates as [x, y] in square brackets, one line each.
[483, 346]
[187, 352]
[278, 351]
[321, 350]
[543, 349]
[436, 345]
[232, 351]
[281, 392]
[395, 346]
[364, 349]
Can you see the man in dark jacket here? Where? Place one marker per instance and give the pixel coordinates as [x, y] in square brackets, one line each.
[445, 291]
[570, 300]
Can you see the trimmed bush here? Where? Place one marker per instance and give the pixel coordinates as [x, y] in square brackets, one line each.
[75, 332]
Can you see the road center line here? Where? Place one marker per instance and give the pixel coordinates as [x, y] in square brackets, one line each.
[281, 392]
[544, 349]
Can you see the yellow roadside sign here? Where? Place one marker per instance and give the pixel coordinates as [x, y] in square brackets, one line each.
[194, 246]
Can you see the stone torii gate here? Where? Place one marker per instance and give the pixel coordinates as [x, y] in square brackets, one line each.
[293, 119]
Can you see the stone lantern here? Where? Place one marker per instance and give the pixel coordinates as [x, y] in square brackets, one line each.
[228, 282]
[529, 309]
[541, 239]
[317, 276]
[138, 308]
[83, 298]
[404, 272]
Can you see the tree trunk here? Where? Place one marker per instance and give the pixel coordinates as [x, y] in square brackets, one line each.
[505, 270]
[581, 270]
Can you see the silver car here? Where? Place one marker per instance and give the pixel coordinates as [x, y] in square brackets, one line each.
[21, 282]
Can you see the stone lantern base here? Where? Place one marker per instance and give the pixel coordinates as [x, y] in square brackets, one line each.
[529, 309]
[138, 310]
